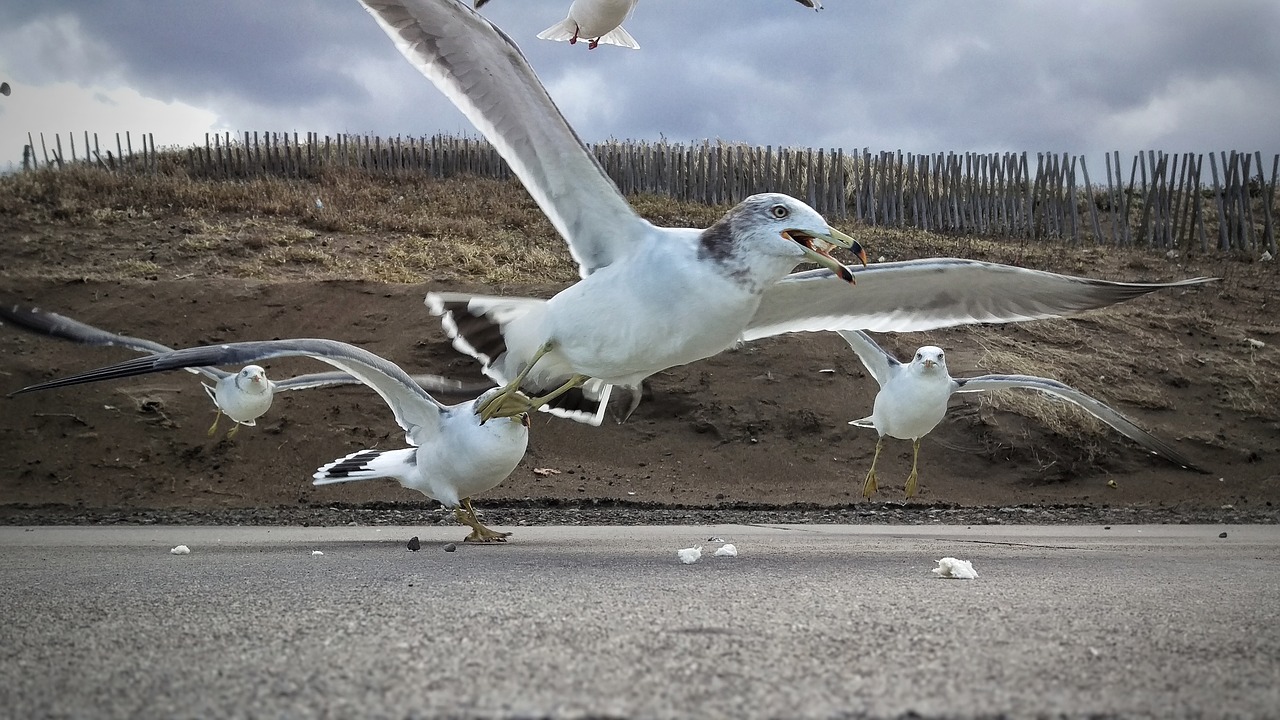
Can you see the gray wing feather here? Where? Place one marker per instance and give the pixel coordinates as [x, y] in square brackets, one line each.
[482, 71]
[879, 363]
[932, 293]
[60, 326]
[413, 407]
[1096, 407]
[430, 383]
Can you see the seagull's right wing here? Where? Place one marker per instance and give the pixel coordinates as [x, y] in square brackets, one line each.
[482, 71]
[933, 293]
[879, 363]
[1095, 407]
[413, 407]
[63, 327]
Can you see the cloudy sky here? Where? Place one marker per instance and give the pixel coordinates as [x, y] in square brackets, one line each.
[917, 75]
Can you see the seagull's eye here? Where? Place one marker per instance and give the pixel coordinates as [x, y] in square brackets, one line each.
[779, 211]
[919, 356]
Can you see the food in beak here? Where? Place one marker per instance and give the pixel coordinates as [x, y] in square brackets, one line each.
[818, 248]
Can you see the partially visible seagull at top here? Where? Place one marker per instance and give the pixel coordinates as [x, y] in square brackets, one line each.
[454, 455]
[597, 21]
[651, 298]
[242, 396]
[913, 399]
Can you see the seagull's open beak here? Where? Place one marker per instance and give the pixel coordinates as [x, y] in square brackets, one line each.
[930, 363]
[817, 247]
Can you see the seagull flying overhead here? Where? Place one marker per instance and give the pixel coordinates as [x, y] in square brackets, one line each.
[242, 396]
[597, 21]
[650, 298]
[454, 456]
[913, 400]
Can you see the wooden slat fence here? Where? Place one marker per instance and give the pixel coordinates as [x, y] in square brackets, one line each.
[1167, 200]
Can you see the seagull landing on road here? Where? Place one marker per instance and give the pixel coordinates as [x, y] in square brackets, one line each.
[454, 457]
[242, 396]
[913, 400]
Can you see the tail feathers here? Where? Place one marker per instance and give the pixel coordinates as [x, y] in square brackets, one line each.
[585, 404]
[620, 37]
[476, 325]
[368, 465]
[562, 31]
[864, 422]
[482, 326]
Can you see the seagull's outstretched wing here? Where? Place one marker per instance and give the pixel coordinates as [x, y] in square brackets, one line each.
[933, 293]
[63, 327]
[480, 69]
[428, 382]
[413, 407]
[879, 363]
[1094, 406]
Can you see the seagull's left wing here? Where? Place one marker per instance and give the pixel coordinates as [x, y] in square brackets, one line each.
[482, 71]
[879, 363]
[1094, 406]
[430, 383]
[933, 293]
[60, 326]
[413, 407]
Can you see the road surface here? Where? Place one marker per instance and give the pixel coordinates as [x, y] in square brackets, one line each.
[808, 621]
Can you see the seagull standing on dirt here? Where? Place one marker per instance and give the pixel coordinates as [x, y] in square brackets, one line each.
[242, 396]
[455, 455]
[652, 298]
[913, 400]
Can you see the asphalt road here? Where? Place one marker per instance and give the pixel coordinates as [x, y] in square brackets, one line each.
[808, 621]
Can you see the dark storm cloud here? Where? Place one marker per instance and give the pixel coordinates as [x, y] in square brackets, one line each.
[274, 53]
[916, 74]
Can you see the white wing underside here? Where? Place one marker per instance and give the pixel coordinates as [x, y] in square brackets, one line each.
[931, 293]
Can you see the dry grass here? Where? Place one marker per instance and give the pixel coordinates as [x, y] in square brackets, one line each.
[86, 223]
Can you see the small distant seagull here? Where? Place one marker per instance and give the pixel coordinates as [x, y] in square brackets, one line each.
[913, 400]
[454, 455]
[598, 21]
[243, 396]
[5, 89]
